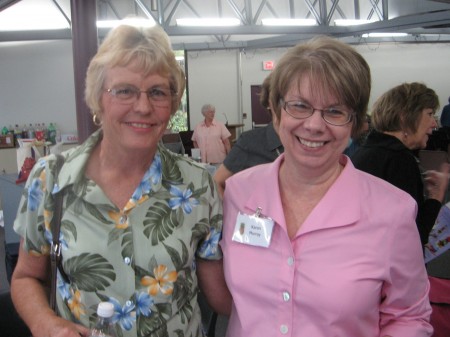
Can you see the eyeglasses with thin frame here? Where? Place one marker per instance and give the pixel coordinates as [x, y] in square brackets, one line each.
[337, 116]
[159, 96]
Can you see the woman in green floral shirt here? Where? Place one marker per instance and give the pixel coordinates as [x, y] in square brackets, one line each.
[140, 225]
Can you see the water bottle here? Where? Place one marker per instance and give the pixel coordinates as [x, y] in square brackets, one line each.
[104, 327]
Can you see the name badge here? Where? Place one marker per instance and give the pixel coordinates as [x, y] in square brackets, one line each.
[254, 230]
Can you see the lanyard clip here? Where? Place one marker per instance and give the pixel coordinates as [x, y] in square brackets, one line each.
[258, 212]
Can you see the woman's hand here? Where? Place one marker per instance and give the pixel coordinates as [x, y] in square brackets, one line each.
[59, 327]
[31, 300]
[436, 182]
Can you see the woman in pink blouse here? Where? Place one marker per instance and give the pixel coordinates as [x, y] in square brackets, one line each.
[313, 246]
[212, 137]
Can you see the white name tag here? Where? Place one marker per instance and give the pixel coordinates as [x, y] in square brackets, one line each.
[253, 230]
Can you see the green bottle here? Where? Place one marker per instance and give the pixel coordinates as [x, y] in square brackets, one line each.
[51, 131]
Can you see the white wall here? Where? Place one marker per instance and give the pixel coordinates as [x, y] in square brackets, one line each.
[391, 64]
[213, 78]
[36, 78]
[37, 85]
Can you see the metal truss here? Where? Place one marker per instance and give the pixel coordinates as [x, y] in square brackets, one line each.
[418, 18]
[251, 12]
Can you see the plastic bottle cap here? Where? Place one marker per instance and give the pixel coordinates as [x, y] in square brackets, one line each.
[105, 309]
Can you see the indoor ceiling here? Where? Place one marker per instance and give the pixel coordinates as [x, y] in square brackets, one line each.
[422, 20]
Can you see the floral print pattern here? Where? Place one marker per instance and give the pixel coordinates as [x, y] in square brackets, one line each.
[140, 258]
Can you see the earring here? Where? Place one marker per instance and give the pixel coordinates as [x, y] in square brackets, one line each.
[96, 120]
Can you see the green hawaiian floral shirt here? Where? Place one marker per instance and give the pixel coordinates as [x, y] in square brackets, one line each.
[142, 257]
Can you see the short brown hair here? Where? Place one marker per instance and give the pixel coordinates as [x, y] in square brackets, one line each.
[400, 108]
[331, 65]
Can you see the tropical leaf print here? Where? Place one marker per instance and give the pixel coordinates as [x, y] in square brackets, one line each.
[178, 261]
[207, 179]
[171, 171]
[160, 222]
[68, 227]
[93, 210]
[127, 243]
[90, 272]
[186, 312]
[216, 221]
[182, 291]
[200, 230]
[153, 326]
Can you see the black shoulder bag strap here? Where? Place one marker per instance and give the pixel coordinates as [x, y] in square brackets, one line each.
[55, 225]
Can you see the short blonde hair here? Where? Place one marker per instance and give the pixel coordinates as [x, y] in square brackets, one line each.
[331, 65]
[151, 50]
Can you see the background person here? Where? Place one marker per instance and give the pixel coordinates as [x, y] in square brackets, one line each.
[403, 119]
[344, 257]
[445, 114]
[253, 147]
[140, 225]
[211, 137]
[358, 140]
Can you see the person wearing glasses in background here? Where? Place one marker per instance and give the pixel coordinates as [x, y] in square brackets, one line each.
[313, 246]
[140, 225]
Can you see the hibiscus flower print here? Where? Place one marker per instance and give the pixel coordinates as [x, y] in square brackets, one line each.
[125, 315]
[182, 199]
[162, 282]
[209, 246]
[75, 305]
[35, 194]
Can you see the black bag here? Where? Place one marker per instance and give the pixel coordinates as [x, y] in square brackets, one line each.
[11, 255]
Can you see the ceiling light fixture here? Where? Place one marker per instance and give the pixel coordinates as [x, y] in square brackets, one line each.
[351, 22]
[289, 22]
[208, 22]
[385, 35]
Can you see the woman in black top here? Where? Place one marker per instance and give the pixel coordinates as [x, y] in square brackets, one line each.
[403, 118]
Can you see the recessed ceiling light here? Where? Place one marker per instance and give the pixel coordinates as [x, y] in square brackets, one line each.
[385, 35]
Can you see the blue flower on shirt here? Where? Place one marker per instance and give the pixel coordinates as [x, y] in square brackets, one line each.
[144, 302]
[34, 194]
[63, 288]
[49, 237]
[143, 188]
[182, 199]
[153, 176]
[209, 246]
[156, 170]
[124, 315]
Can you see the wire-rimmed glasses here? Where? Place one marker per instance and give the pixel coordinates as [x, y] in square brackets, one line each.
[159, 96]
[337, 116]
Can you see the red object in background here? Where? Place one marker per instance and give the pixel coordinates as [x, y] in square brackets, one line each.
[25, 170]
[268, 65]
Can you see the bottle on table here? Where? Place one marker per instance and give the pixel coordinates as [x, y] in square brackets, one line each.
[51, 133]
[104, 326]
